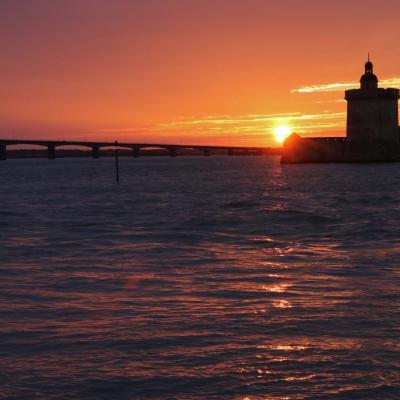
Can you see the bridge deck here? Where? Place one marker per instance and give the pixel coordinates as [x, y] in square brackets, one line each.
[168, 146]
[135, 147]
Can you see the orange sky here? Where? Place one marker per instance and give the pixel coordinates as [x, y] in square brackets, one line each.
[180, 71]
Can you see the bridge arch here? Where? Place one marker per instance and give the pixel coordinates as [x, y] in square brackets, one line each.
[73, 145]
[21, 145]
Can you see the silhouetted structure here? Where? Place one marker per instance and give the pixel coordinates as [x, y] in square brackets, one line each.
[372, 129]
[173, 149]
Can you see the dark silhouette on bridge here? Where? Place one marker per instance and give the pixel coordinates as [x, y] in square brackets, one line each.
[135, 147]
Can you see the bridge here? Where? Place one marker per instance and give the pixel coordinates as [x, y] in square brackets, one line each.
[173, 149]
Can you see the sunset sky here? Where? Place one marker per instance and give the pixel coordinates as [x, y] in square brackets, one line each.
[181, 71]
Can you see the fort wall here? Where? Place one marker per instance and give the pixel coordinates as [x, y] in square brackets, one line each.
[313, 150]
[337, 149]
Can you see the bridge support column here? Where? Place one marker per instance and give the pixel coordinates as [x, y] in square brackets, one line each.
[230, 152]
[3, 152]
[172, 152]
[136, 151]
[95, 152]
[51, 152]
[207, 152]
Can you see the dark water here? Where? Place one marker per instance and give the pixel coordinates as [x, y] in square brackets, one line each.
[199, 278]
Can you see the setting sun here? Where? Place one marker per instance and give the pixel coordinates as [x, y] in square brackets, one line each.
[281, 133]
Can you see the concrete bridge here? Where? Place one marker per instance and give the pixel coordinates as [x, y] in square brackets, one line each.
[173, 149]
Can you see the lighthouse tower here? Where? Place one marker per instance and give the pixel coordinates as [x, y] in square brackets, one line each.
[372, 120]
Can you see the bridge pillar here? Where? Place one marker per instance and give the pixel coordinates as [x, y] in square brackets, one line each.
[136, 151]
[207, 152]
[3, 152]
[172, 152]
[51, 152]
[230, 152]
[95, 152]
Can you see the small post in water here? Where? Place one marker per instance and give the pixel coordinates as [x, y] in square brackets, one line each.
[116, 162]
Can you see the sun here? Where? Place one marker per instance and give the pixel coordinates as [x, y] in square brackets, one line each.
[281, 133]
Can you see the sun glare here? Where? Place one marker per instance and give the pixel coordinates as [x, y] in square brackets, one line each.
[281, 133]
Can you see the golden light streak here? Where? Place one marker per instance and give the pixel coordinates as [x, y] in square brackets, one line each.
[258, 123]
[340, 87]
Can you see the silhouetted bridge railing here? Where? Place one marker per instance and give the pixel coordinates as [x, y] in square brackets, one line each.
[135, 147]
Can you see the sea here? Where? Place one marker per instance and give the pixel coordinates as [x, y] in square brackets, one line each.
[199, 278]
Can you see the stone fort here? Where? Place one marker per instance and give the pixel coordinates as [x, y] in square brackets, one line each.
[372, 133]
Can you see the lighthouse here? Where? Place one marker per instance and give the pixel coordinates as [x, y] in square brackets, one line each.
[372, 120]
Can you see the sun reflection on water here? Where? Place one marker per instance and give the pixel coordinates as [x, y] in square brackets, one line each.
[281, 304]
[286, 347]
[300, 378]
[277, 288]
